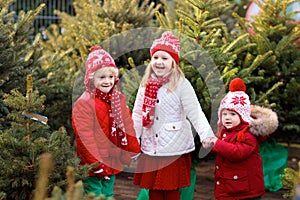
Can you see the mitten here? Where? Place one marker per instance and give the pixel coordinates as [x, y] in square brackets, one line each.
[101, 171]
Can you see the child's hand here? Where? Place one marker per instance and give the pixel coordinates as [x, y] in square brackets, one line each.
[206, 143]
[209, 142]
[213, 140]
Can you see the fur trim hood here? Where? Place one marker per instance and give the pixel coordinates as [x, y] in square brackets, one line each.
[264, 121]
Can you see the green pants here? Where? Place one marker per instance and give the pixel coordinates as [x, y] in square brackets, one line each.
[186, 193]
[99, 186]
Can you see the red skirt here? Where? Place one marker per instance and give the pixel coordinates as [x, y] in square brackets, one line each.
[163, 173]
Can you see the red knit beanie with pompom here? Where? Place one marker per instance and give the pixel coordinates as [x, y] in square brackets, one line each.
[237, 100]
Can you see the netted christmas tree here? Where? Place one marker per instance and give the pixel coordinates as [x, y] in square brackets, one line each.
[28, 138]
[291, 181]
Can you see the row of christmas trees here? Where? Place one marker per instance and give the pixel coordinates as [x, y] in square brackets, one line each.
[218, 43]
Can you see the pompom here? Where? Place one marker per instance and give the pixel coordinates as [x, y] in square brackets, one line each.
[241, 135]
[237, 84]
[93, 48]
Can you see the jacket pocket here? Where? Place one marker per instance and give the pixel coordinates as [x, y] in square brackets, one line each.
[236, 182]
[169, 132]
[173, 126]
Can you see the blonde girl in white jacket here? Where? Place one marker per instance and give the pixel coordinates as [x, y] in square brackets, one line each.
[166, 105]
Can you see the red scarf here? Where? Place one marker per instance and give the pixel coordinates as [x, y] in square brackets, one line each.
[117, 130]
[148, 108]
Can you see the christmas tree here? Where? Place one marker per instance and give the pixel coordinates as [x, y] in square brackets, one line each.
[275, 32]
[28, 138]
[19, 54]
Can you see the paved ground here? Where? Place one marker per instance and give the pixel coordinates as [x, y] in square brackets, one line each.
[125, 190]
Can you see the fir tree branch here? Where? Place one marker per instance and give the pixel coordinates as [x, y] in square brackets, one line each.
[264, 96]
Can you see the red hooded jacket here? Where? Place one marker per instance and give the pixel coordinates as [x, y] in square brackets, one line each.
[91, 123]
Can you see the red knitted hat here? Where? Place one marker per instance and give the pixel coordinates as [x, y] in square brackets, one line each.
[237, 100]
[168, 43]
[96, 59]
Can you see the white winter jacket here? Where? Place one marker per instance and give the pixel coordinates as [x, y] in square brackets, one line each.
[171, 132]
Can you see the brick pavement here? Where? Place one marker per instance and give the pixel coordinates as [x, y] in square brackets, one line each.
[126, 190]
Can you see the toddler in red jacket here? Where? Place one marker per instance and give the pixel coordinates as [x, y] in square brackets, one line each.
[102, 124]
[238, 165]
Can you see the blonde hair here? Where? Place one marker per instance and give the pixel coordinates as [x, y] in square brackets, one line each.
[113, 70]
[175, 74]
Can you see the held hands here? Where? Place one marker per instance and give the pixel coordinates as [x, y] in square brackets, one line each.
[209, 142]
[136, 157]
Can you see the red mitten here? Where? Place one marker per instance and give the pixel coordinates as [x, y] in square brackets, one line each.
[101, 171]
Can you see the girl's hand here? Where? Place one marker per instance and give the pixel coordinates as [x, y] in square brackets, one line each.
[209, 142]
[136, 157]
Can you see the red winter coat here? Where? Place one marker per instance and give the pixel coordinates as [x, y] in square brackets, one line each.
[92, 124]
[238, 166]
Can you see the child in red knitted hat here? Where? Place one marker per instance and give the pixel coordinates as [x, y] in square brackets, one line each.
[241, 126]
[164, 103]
[103, 126]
